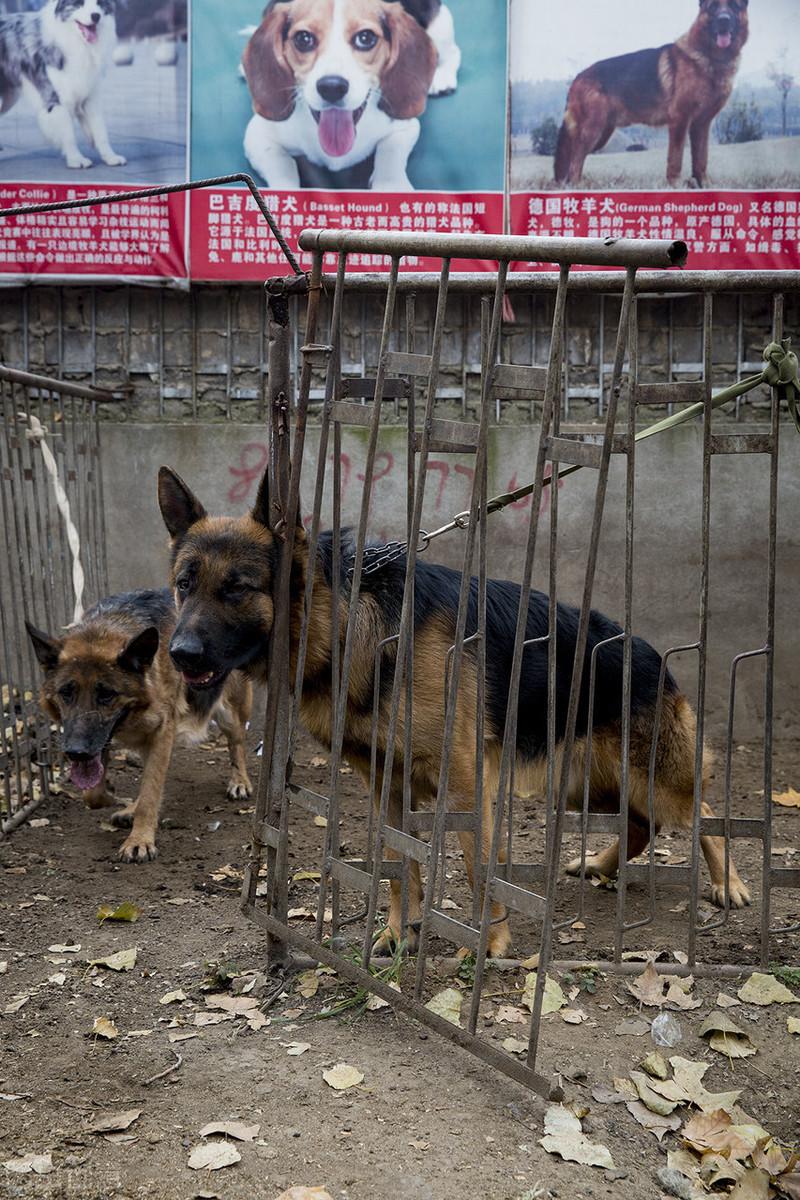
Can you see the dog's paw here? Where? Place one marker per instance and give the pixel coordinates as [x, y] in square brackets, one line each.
[239, 790]
[77, 162]
[123, 817]
[444, 83]
[387, 942]
[114, 160]
[139, 847]
[739, 894]
[593, 866]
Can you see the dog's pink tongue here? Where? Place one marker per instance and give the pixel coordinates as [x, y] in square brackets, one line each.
[724, 40]
[89, 32]
[87, 774]
[337, 131]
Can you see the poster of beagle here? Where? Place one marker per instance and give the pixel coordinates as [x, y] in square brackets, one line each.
[337, 83]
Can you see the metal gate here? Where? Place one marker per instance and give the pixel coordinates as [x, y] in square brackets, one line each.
[47, 572]
[396, 841]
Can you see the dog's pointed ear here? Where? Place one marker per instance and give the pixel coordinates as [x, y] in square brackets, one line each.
[269, 77]
[45, 647]
[261, 510]
[408, 75]
[180, 508]
[140, 651]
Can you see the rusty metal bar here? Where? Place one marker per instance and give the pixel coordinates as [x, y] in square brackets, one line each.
[618, 252]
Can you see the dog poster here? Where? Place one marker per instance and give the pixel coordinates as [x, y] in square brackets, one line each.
[356, 113]
[673, 121]
[93, 99]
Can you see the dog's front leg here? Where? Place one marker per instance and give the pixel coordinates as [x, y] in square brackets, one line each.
[141, 842]
[268, 157]
[698, 140]
[94, 123]
[391, 158]
[232, 720]
[58, 127]
[442, 33]
[677, 141]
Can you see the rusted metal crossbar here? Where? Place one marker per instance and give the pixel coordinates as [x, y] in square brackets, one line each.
[396, 841]
[37, 580]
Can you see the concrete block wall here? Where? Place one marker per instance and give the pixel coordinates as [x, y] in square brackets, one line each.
[201, 354]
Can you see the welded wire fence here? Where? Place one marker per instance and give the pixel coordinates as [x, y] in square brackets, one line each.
[409, 707]
[38, 582]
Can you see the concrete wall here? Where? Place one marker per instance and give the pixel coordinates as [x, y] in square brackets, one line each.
[223, 463]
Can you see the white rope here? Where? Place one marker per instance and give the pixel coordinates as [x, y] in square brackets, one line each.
[36, 434]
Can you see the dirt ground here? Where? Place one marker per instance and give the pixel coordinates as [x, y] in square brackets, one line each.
[428, 1122]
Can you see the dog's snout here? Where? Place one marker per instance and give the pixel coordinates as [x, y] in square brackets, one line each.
[186, 649]
[95, 18]
[332, 88]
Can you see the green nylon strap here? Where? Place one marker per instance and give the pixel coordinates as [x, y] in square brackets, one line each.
[781, 372]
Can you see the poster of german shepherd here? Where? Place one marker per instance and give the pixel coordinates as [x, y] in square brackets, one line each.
[626, 96]
[223, 574]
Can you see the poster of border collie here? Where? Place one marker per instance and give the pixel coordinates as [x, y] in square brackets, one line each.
[93, 89]
[630, 96]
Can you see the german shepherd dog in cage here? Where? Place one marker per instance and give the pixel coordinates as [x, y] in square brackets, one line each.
[110, 679]
[682, 85]
[223, 573]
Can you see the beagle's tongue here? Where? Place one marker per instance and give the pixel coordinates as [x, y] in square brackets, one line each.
[337, 131]
[88, 773]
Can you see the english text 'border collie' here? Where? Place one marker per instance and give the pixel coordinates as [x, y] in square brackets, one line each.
[55, 58]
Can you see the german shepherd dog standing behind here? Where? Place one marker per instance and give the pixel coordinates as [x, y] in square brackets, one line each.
[110, 678]
[223, 572]
[682, 85]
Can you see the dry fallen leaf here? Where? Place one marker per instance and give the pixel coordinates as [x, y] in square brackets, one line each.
[716, 1131]
[726, 1037]
[238, 1005]
[765, 989]
[447, 1004]
[234, 1129]
[573, 1016]
[655, 1065]
[212, 1156]
[753, 1185]
[308, 984]
[60, 948]
[509, 1014]
[305, 1193]
[553, 998]
[116, 1121]
[725, 1001]
[687, 1076]
[793, 1024]
[121, 960]
[654, 1122]
[564, 1136]
[788, 799]
[104, 1027]
[295, 1049]
[343, 1076]
[127, 911]
[515, 1045]
[17, 1003]
[39, 1164]
[650, 1097]
[173, 997]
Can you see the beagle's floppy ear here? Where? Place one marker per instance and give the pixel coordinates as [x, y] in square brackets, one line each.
[408, 75]
[269, 77]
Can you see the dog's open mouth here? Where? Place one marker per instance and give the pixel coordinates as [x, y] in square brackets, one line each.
[724, 40]
[87, 773]
[337, 128]
[88, 32]
[201, 679]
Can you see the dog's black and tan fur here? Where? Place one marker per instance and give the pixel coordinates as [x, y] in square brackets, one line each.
[682, 85]
[110, 679]
[223, 572]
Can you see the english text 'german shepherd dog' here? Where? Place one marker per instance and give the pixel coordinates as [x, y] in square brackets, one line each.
[682, 85]
[223, 571]
[110, 678]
